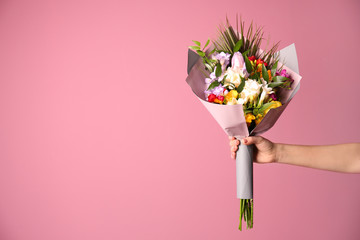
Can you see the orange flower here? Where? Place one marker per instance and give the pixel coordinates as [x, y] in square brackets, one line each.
[269, 73]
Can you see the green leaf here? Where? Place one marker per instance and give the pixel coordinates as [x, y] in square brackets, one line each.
[241, 86]
[255, 76]
[238, 45]
[273, 69]
[249, 67]
[213, 85]
[246, 52]
[275, 84]
[265, 73]
[280, 79]
[208, 66]
[218, 70]
[194, 48]
[247, 111]
[207, 43]
[223, 80]
[197, 43]
[264, 107]
[201, 53]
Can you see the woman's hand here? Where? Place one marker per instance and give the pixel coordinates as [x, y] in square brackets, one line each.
[264, 150]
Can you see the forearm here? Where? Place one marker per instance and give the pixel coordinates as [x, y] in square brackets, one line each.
[339, 158]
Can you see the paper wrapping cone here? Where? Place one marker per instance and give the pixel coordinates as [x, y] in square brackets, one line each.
[231, 117]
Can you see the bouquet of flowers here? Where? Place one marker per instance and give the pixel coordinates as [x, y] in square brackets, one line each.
[245, 89]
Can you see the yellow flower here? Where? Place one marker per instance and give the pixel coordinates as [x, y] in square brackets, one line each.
[258, 119]
[274, 104]
[231, 95]
[248, 118]
[259, 67]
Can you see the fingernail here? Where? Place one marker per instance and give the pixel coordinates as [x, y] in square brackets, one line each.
[245, 140]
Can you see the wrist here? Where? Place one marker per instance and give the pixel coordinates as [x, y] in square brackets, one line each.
[278, 152]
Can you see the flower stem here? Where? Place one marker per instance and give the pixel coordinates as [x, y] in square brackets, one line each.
[246, 212]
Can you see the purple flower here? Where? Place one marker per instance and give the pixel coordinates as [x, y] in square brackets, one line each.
[208, 80]
[223, 58]
[212, 75]
[283, 73]
[219, 90]
[273, 96]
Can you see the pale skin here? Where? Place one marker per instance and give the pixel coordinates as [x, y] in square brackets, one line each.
[339, 158]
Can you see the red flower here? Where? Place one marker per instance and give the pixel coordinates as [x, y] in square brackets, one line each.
[221, 98]
[211, 97]
[252, 58]
[260, 61]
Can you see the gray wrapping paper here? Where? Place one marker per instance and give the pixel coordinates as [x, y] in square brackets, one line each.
[244, 171]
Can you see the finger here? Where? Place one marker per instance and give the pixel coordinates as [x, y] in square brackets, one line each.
[233, 155]
[234, 142]
[252, 140]
[234, 148]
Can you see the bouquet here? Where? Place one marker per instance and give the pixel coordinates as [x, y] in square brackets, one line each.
[245, 89]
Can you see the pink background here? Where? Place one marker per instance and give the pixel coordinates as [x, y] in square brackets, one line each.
[101, 138]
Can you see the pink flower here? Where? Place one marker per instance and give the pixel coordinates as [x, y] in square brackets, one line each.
[238, 64]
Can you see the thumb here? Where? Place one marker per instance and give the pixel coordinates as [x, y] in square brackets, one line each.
[252, 140]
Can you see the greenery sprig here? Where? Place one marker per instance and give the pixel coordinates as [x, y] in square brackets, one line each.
[209, 63]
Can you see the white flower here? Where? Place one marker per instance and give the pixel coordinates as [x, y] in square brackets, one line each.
[232, 77]
[266, 91]
[250, 92]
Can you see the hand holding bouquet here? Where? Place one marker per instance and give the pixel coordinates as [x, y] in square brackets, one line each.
[245, 89]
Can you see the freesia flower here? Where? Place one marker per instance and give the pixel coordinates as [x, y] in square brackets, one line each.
[218, 90]
[269, 73]
[283, 73]
[248, 118]
[266, 91]
[211, 98]
[223, 58]
[252, 58]
[250, 92]
[258, 119]
[219, 99]
[232, 77]
[274, 104]
[273, 96]
[231, 97]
